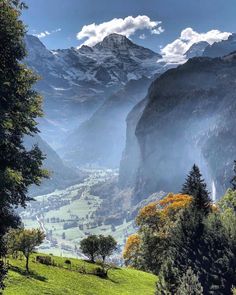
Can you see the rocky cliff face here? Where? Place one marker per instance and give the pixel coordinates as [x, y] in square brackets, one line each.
[100, 140]
[188, 119]
[131, 155]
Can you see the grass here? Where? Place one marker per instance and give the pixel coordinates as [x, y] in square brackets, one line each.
[59, 280]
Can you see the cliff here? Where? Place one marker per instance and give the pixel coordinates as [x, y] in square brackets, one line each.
[188, 119]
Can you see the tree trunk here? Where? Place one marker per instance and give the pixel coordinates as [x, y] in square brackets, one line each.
[27, 263]
[92, 258]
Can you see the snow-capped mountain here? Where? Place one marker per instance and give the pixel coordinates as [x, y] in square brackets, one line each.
[75, 82]
[113, 61]
[222, 48]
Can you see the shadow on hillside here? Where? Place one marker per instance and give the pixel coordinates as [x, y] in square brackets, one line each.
[30, 274]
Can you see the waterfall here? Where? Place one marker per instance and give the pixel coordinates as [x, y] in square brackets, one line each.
[213, 191]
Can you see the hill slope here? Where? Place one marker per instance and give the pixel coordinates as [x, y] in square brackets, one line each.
[61, 176]
[60, 280]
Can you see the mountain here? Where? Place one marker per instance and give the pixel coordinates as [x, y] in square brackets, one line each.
[75, 82]
[222, 48]
[188, 119]
[131, 155]
[196, 49]
[100, 140]
[88, 93]
[61, 176]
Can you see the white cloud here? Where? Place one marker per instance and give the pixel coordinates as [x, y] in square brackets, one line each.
[46, 33]
[142, 36]
[174, 52]
[157, 31]
[124, 26]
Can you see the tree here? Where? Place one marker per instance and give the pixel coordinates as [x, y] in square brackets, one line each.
[228, 201]
[233, 180]
[132, 251]
[196, 187]
[144, 250]
[106, 246]
[203, 244]
[25, 240]
[90, 247]
[189, 284]
[19, 108]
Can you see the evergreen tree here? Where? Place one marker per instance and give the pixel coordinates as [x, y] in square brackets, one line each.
[203, 244]
[196, 187]
[189, 284]
[233, 180]
[19, 108]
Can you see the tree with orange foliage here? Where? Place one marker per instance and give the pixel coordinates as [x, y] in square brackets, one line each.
[131, 251]
[145, 248]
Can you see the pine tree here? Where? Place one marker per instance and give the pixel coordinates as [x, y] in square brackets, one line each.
[19, 108]
[196, 187]
[202, 243]
[233, 180]
[189, 284]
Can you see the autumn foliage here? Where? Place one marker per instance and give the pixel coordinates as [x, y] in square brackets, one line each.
[132, 249]
[168, 207]
[156, 218]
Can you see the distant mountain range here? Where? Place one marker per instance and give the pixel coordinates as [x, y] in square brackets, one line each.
[196, 49]
[222, 48]
[75, 82]
[89, 92]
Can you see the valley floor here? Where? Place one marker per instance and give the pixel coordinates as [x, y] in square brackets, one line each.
[59, 280]
[69, 215]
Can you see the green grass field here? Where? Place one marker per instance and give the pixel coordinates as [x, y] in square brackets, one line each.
[59, 280]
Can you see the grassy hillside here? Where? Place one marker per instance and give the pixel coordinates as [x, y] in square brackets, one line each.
[60, 280]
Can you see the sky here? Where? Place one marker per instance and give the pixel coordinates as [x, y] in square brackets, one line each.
[150, 23]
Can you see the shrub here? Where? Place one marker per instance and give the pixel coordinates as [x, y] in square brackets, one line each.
[68, 262]
[47, 260]
[100, 272]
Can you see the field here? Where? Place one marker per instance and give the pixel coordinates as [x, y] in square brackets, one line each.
[60, 280]
[68, 215]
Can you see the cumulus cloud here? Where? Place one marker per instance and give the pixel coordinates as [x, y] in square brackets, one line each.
[46, 33]
[175, 52]
[95, 33]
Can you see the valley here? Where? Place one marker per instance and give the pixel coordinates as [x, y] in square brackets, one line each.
[68, 215]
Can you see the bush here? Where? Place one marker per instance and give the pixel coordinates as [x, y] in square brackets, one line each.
[47, 260]
[100, 272]
[68, 262]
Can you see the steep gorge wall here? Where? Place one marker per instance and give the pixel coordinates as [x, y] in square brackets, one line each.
[188, 119]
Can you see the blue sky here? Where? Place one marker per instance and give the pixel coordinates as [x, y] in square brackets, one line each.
[71, 15]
